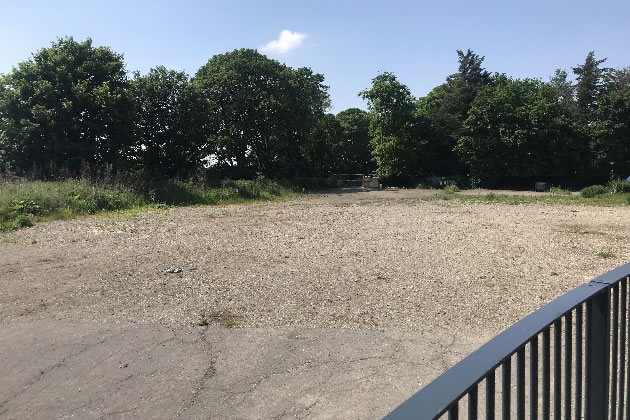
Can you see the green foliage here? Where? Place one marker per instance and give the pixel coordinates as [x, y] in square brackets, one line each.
[515, 131]
[606, 255]
[590, 79]
[617, 186]
[355, 142]
[161, 145]
[255, 112]
[23, 203]
[323, 150]
[592, 191]
[66, 105]
[203, 320]
[559, 191]
[611, 134]
[450, 189]
[395, 132]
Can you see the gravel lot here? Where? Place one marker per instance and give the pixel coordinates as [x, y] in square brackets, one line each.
[382, 260]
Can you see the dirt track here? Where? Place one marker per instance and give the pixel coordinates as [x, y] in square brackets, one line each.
[382, 263]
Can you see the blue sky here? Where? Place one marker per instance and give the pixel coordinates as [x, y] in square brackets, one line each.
[350, 42]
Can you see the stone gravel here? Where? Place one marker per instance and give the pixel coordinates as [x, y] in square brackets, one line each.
[382, 260]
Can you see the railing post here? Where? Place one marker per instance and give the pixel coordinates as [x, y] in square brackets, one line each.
[597, 358]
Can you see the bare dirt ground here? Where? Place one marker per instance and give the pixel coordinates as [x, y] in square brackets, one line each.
[341, 304]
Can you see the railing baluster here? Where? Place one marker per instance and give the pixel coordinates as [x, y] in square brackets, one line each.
[453, 411]
[557, 369]
[622, 345]
[506, 373]
[546, 382]
[520, 384]
[533, 378]
[578, 361]
[614, 352]
[472, 403]
[490, 396]
[568, 357]
[587, 360]
[597, 356]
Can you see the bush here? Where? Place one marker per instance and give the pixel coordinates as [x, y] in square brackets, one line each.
[559, 191]
[451, 189]
[593, 191]
[617, 186]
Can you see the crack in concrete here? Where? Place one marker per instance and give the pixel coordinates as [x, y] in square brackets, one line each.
[57, 365]
[207, 374]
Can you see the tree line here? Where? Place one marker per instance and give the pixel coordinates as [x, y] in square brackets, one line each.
[495, 130]
[242, 115]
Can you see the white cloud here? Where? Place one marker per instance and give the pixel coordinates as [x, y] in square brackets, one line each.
[286, 42]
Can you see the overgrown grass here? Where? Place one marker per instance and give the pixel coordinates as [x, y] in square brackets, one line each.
[606, 200]
[23, 203]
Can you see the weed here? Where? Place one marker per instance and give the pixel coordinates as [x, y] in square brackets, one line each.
[380, 276]
[203, 321]
[26, 202]
[606, 254]
[559, 191]
[33, 241]
[233, 322]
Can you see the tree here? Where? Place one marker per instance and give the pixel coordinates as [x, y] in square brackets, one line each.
[396, 144]
[254, 112]
[323, 149]
[162, 145]
[564, 93]
[517, 132]
[67, 105]
[612, 134]
[355, 141]
[445, 109]
[590, 81]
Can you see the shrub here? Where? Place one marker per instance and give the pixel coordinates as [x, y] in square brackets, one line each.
[593, 191]
[617, 186]
[559, 191]
[451, 189]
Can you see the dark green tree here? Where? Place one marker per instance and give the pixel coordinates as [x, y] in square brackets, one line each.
[69, 104]
[163, 144]
[590, 82]
[612, 134]
[564, 93]
[516, 131]
[445, 109]
[254, 113]
[395, 136]
[355, 142]
[322, 151]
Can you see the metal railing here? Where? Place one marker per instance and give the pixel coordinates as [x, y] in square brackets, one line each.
[570, 357]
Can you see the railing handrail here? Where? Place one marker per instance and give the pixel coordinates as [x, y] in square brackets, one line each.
[435, 399]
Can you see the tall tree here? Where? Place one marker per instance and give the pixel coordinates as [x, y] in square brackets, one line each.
[162, 146]
[66, 105]
[355, 141]
[516, 132]
[564, 93]
[396, 143]
[322, 151]
[255, 112]
[446, 108]
[612, 134]
[590, 81]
